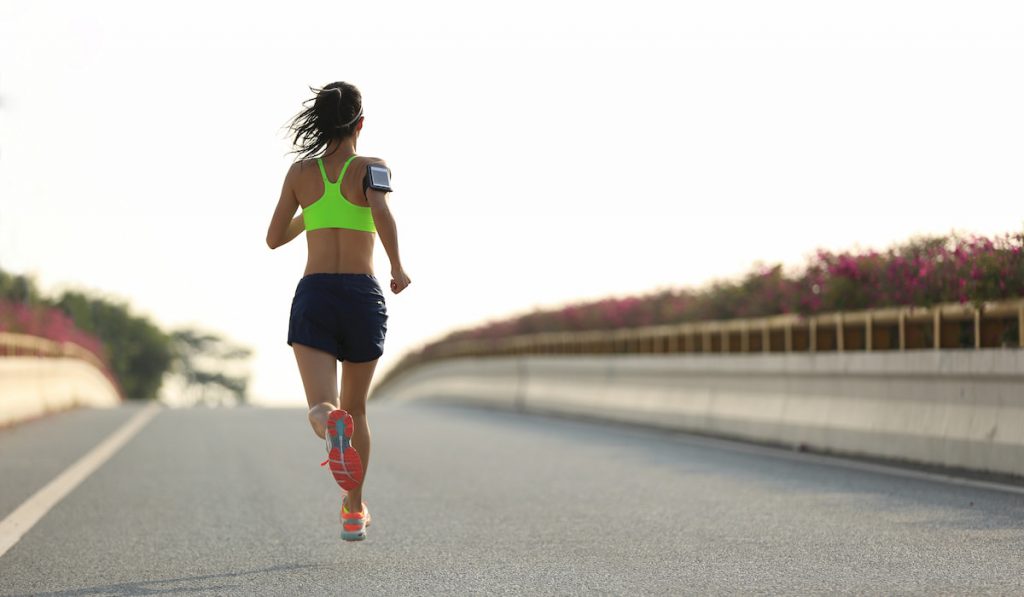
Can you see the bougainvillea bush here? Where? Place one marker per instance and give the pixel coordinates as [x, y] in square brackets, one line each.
[46, 322]
[923, 271]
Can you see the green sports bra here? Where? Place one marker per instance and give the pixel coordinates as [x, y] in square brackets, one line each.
[333, 210]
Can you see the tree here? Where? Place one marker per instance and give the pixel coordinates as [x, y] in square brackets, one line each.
[139, 352]
[209, 369]
[21, 289]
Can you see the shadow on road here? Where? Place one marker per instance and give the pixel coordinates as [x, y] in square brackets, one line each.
[185, 584]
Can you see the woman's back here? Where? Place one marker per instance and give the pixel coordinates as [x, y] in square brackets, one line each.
[335, 250]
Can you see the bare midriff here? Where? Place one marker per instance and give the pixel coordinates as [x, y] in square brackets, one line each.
[339, 251]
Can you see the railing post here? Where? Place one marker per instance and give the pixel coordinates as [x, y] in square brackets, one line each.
[867, 332]
[812, 335]
[937, 329]
[1020, 324]
[977, 328]
[839, 331]
[902, 325]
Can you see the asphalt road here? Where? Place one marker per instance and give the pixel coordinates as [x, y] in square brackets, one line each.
[472, 501]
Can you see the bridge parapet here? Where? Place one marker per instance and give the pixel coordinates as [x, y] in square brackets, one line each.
[947, 406]
[38, 375]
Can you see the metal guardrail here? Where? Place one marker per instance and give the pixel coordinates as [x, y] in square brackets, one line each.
[12, 344]
[944, 326]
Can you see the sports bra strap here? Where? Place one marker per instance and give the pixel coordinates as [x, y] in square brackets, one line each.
[323, 172]
[345, 167]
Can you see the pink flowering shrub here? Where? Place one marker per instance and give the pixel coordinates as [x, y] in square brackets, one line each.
[923, 271]
[46, 322]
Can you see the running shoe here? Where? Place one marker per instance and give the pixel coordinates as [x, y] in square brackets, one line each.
[344, 461]
[353, 524]
[344, 509]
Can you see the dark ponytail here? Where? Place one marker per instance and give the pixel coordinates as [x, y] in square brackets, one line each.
[336, 110]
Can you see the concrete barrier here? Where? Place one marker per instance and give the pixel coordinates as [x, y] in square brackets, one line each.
[32, 386]
[953, 408]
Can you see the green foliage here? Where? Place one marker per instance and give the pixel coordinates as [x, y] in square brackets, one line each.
[19, 289]
[138, 351]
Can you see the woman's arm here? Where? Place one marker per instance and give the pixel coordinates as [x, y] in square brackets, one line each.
[388, 232]
[384, 222]
[283, 227]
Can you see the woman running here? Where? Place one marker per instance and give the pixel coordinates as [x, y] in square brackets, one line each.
[338, 312]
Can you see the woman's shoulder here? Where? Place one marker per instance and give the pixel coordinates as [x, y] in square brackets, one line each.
[303, 165]
[365, 159]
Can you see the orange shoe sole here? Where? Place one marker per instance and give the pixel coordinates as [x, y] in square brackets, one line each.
[343, 459]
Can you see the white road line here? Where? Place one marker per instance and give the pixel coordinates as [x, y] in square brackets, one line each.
[17, 523]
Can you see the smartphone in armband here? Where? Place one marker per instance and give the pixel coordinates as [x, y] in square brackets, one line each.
[377, 177]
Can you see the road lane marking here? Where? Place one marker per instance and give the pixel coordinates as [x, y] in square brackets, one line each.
[25, 516]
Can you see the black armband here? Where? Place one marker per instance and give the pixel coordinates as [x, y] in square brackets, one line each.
[377, 177]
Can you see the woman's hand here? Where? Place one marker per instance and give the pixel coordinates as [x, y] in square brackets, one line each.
[399, 280]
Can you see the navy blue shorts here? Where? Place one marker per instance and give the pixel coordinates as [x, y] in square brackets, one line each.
[342, 314]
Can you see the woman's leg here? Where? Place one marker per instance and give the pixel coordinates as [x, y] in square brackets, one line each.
[355, 385]
[319, 371]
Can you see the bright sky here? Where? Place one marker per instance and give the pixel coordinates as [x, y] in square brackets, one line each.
[542, 152]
